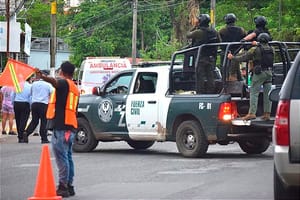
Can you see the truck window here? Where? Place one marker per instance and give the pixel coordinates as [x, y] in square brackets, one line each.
[296, 86]
[120, 84]
[145, 83]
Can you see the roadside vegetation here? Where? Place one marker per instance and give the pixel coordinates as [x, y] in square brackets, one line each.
[104, 27]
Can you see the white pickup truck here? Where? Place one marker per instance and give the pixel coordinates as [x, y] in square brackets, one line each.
[156, 104]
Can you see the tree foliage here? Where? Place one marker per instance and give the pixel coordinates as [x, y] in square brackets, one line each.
[104, 27]
[37, 15]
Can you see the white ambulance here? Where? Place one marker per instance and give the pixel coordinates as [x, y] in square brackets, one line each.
[95, 71]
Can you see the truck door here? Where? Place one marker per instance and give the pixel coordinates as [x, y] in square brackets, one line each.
[111, 106]
[142, 107]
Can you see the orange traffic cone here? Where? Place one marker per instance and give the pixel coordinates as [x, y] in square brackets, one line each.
[45, 185]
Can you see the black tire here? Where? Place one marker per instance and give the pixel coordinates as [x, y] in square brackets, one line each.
[190, 139]
[255, 146]
[140, 145]
[84, 139]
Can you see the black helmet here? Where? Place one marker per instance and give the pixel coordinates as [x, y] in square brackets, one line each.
[264, 38]
[204, 20]
[260, 21]
[230, 18]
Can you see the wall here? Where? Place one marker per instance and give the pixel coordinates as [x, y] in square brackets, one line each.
[41, 59]
[40, 53]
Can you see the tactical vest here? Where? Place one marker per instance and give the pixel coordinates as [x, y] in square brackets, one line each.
[71, 105]
[233, 34]
[211, 36]
[266, 57]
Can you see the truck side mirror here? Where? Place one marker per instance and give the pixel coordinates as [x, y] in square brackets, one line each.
[274, 94]
[96, 91]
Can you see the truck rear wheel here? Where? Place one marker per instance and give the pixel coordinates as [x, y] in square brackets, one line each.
[139, 145]
[84, 139]
[190, 139]
[255, 146]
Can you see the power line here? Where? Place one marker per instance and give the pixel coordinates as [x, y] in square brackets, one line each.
[110, 21]
[101, 13]
[26, 9]
[99, 26]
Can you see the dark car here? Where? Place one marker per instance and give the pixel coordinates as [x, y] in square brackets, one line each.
[286, 136]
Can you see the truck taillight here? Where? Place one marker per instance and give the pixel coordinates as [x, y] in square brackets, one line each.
[228, 111]
[281, 124]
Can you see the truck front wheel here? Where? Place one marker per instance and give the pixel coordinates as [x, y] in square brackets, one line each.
[139, 145]
[190, 139]
[255, 146]
[84, 139]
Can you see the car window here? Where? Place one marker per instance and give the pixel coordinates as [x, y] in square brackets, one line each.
[145, 83]
[296, 84]
[120, 84]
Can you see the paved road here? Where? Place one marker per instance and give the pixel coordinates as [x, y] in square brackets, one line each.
[115, 171]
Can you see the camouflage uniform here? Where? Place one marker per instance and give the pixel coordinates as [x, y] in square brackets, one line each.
[263, 79]
[207, 60]
[232, 33]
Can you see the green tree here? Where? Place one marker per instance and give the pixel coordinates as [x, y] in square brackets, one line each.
[282, 16]
[37, 15]
[98, 28]
[104, 27]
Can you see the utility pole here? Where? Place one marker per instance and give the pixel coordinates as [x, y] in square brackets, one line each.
[280, 15]
[53, 38]
[213, 13]
[7, 27]
[134, 30]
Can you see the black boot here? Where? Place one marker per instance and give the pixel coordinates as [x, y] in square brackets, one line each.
[62, 190]
[25, 137]
[71, 189]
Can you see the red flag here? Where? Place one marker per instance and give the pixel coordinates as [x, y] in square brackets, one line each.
[15, 74]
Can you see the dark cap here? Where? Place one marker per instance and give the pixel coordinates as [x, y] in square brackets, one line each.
[264, 38]
[67, 68]
[45, 72]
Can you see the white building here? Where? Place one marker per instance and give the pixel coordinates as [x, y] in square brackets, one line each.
[40, 53]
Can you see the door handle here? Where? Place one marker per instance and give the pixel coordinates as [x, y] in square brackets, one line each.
[152, 102]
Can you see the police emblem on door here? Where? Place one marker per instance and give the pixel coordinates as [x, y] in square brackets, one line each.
[105, 110]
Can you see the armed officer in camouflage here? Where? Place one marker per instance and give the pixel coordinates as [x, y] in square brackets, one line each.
[232, 33]
[207, 61]
[263, 58]
[260, 27]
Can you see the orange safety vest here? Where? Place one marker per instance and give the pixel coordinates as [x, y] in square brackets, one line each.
[71, 105]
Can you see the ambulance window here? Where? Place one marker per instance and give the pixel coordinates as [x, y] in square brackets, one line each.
[120, 84]
[145, 83]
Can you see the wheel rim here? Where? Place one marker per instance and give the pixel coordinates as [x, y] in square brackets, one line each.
[189, 139]
[81, 137]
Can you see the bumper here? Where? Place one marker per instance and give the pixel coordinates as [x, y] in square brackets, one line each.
[288, 172]
[254, 123]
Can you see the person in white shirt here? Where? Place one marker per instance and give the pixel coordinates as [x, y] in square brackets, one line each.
[40, 91]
